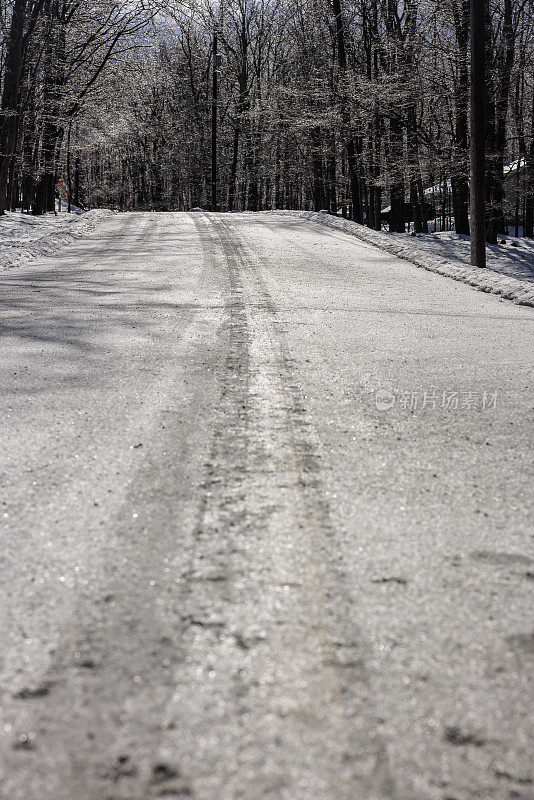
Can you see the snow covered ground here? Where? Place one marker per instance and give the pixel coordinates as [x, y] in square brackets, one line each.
[514, 259]
[510, 272]
[24, 238]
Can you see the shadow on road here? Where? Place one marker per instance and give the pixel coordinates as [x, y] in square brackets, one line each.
[67, 323]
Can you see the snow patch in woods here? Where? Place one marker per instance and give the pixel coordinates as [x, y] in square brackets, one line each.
[510, 272]
[24, 238]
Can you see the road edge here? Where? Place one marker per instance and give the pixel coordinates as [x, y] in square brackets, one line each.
[518, 291]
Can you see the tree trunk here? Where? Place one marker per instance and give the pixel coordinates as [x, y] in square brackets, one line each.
[45, 191]
[460, 165]
[417, 194]
[319, 194]
[498, 91]
[53, 132]
[233, 169]
[529, 201]
[9, 107]
[397, 213]
[478, 155]
[348, 136]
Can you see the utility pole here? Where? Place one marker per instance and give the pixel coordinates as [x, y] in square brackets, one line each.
[478, 133]
[215, 98]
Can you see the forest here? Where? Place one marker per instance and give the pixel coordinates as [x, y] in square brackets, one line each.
[358, 106]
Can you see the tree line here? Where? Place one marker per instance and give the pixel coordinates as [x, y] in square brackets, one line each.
[54, 58]
[360, 105]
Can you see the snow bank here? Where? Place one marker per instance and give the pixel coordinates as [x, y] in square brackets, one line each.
[510, 272]
[23, 237]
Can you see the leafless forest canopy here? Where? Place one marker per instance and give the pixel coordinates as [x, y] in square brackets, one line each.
[323, 104]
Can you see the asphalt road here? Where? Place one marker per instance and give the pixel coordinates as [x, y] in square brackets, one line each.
[226, 574]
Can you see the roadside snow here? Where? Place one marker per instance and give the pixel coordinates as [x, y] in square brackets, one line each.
[24, 238]
[510, 271]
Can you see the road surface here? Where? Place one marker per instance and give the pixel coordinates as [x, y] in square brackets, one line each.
[266, 517]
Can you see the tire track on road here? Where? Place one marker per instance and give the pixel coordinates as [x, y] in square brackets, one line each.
[274, 702]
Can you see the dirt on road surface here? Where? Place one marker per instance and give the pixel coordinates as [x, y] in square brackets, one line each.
[266, 516]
